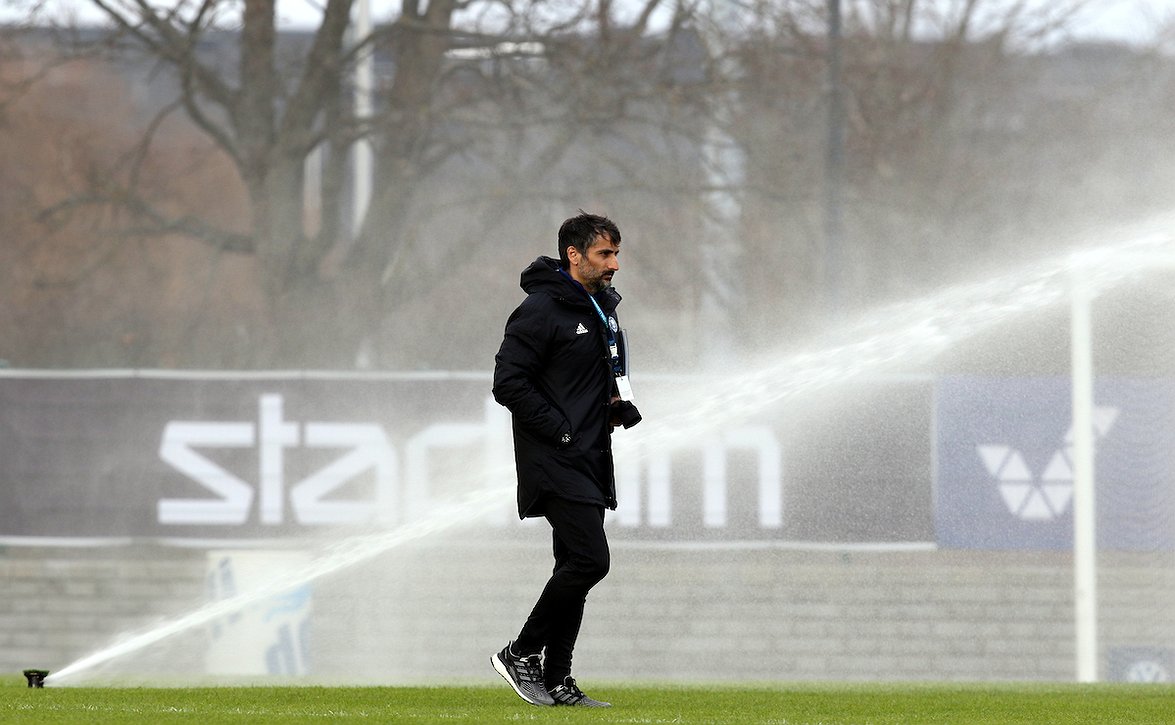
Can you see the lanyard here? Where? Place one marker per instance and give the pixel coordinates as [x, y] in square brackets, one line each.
[613, 348]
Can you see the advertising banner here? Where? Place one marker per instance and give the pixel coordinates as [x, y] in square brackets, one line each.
[219, 457]
[271, 636]
[1005, 463]
[1146, 664]
[223, 457]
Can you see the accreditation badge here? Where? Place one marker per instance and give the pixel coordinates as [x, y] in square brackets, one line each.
[624, 388]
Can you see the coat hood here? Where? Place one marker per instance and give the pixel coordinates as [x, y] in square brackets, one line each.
[543, 276]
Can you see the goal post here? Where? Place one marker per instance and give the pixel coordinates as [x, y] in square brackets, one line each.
[1089, 275]
[1084, 504]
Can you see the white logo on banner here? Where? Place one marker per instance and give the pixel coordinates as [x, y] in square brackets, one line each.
[758, 441]
[403, 493]
[367, 450]
[1147, 671]
[1045, 498]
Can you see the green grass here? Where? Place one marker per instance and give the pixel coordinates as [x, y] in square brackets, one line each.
[790, 704]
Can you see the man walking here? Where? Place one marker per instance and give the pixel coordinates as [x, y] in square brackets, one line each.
[562, 374]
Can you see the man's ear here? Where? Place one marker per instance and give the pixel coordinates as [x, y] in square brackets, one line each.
[572, 254]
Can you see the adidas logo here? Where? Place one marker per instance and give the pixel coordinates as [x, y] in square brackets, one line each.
[581, 330]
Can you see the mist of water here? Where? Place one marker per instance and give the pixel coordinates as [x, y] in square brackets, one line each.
[910, 333]
[883, 340]
[338, 556]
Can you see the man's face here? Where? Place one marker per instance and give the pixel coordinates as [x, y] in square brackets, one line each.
[594, 269]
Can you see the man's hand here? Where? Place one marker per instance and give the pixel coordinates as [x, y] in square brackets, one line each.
[624, 413]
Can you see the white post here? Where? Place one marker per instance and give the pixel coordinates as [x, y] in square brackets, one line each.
[1084, 503]
[364, 88]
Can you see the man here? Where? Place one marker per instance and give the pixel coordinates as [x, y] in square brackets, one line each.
[561, 373]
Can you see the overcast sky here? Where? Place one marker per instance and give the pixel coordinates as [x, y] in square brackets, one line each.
[1126, 20]
[1134, 20]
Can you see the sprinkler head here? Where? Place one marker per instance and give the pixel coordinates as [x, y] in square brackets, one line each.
[36, 678]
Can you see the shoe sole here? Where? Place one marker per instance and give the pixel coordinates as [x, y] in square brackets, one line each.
[500, 668]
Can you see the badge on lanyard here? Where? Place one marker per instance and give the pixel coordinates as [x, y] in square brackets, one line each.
[623, 388]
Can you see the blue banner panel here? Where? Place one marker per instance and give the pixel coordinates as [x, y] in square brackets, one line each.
[1005, 463]
[1140, 664]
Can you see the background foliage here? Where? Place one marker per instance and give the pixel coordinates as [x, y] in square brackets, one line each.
[177, 190]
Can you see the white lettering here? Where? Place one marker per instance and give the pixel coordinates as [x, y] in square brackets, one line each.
[660, 490]
[236, 496]
[276, 436]
[645, 480]
[714, 469]
[369, 450]
[658, 470]
[493, 433]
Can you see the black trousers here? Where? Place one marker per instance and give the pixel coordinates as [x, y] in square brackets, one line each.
[581, 561]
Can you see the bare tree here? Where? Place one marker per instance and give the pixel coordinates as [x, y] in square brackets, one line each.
[92, 286]
[268, 102]
[920, 80]
[701, 125]
[455, 79]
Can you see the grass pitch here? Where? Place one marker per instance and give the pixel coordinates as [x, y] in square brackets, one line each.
[780, 704]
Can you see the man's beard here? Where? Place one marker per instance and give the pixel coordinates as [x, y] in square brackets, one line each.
[593, 280]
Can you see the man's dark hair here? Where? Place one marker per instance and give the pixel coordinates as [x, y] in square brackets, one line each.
[581, 230]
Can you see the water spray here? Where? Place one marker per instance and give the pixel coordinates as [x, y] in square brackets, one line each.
[336, 557]
[894, 335]
[877, 342]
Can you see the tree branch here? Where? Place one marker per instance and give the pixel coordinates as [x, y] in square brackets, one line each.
[157, 223]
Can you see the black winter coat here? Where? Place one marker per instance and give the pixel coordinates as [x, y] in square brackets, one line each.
[554, 373]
